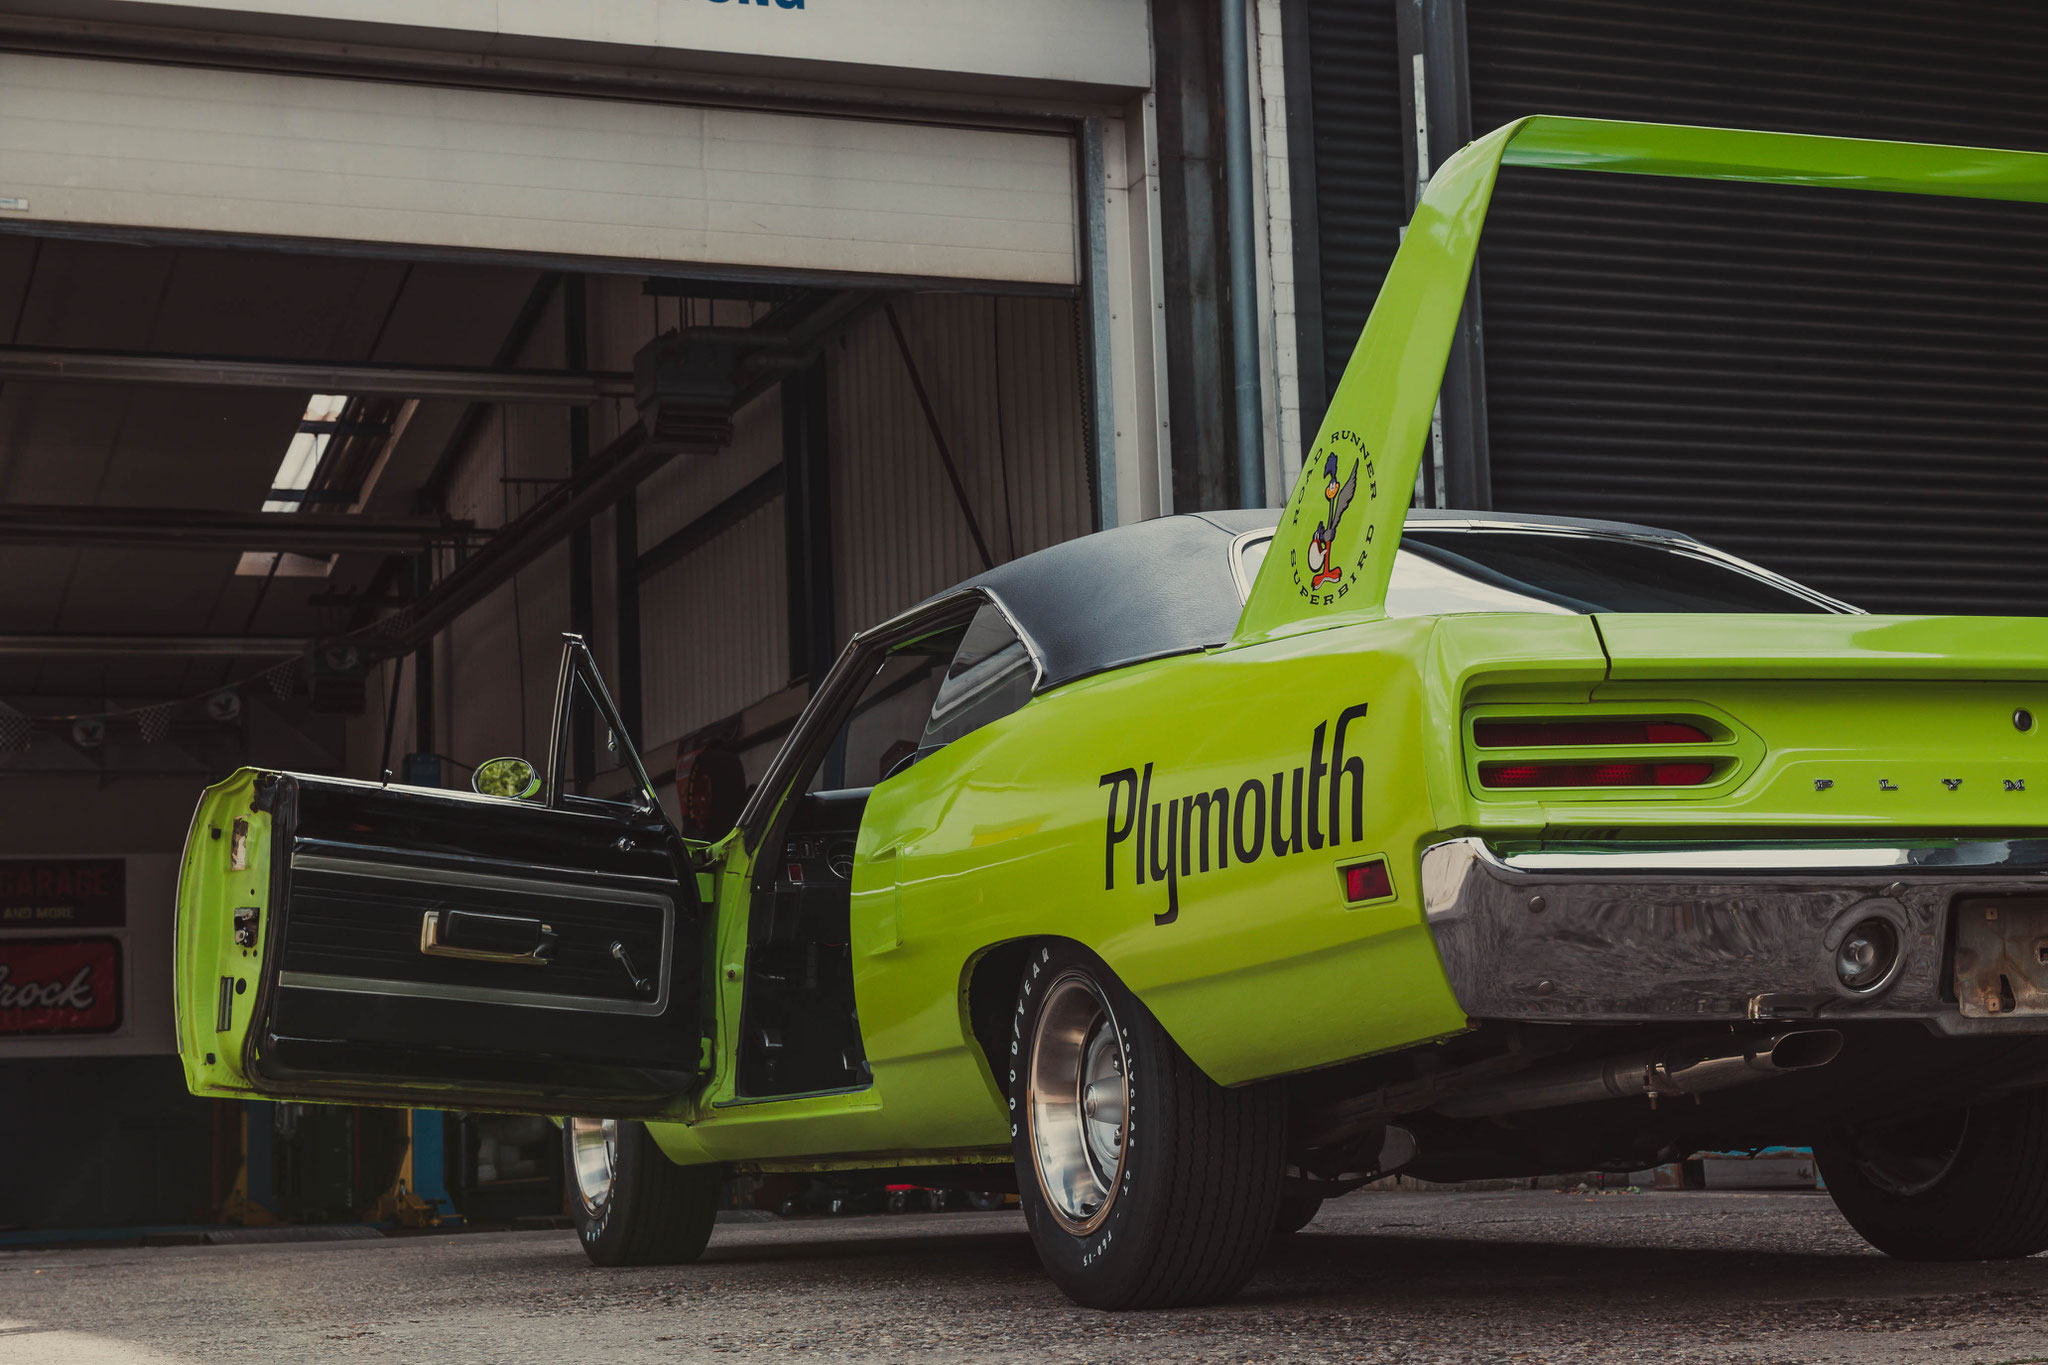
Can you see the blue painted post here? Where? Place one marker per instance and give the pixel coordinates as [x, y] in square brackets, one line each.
[429, 1162]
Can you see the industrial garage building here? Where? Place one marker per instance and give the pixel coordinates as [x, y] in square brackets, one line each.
[352, 352]
[349, 354]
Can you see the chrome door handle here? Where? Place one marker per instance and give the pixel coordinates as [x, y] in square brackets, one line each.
[497, 929]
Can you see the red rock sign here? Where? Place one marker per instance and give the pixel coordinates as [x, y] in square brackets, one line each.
[60, 985]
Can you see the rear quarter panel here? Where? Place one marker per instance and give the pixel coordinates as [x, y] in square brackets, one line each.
[1257, 967]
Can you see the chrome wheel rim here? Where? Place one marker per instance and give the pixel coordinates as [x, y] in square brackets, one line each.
[1078, 1103]
[594, 1156]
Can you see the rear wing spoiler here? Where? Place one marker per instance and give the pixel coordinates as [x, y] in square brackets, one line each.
[1333, 552]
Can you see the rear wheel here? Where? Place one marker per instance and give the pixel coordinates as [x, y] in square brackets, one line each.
[632, 1205]
[1144, 1183]
[1960, 1185]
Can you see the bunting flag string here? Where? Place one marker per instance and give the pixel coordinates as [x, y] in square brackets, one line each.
[154, 722]
[15, 729]
[88, 730]
[283, 679]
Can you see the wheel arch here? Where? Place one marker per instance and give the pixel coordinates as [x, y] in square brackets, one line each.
[988, 988]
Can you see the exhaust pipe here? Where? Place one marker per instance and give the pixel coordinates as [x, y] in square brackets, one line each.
[1681, 1069]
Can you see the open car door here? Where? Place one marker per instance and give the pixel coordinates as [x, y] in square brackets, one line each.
[533, 952]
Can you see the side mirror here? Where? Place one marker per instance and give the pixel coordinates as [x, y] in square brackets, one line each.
[508, 777]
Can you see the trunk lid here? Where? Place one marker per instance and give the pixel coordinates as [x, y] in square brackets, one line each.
[1929, 722]
[1653, 647]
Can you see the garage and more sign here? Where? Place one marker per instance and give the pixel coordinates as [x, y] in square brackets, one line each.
[63, 893]
[55, 983]
[60, 985]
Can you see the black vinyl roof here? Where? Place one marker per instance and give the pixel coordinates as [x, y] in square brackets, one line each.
[1158, 587]
[1134, 592]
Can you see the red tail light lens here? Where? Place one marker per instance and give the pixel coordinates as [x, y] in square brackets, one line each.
[1542, 734]
[1594, 774]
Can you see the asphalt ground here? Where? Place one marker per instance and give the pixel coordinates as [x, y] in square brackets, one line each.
[1522, 1277]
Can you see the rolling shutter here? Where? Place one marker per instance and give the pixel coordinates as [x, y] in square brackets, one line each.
[1845, 387]
[1361, 194]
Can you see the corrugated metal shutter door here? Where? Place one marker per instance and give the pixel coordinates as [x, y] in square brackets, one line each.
[1361, 195]
[175, 149]
[1846, 387]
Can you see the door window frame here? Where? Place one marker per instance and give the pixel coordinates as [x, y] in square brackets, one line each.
[841, 690]
[578, 664]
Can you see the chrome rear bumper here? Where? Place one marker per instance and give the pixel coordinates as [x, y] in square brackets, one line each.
[1615, 933]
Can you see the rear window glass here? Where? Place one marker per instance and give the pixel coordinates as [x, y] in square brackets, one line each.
[1443, 572]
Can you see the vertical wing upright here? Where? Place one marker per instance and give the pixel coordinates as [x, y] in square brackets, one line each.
[1335, 546]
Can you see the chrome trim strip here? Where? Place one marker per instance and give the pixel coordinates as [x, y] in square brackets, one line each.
[479, 995]
[1951, 855]
[1244, 584]
[1676, 544]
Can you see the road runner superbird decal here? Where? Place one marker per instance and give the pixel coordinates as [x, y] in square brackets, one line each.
[1326, 530]
[1235, 819]
[1323, 569]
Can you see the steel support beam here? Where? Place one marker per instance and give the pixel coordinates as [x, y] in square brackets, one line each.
[161, 646]
[722, 517]
[605, 477]
[203, 528]
[475, 384]
[686, 400]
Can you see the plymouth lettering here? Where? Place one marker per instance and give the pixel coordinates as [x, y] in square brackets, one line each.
[1173, 837]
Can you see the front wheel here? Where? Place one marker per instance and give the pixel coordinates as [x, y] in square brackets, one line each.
[1965, 1184]
[1297, 1211]
[1144, 1183]
[632, 1205]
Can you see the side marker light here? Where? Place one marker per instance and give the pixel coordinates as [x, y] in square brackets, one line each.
[1367, 881]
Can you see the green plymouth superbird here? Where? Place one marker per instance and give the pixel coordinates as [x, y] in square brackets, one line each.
[1190, 873]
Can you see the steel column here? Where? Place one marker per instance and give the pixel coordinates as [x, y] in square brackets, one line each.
[1247, 399]
[582, 612]
[1437, 103]
[807, 523]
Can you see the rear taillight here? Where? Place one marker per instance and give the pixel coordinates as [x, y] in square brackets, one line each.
[1540, 734]
[1594, 774]
[1532, 753]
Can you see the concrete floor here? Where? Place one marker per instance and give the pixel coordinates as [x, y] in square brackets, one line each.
[1524, 1277]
